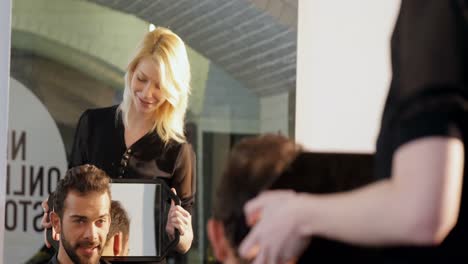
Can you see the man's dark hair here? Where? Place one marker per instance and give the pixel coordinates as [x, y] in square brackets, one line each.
[253, 165]
[119, 220]
[82, 179]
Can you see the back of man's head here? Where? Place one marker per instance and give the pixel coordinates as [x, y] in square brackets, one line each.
[119, 231]
[253, 165]
[120, 220]
[83, 180]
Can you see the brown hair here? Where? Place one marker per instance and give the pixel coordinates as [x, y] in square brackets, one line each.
[253, 165]
[119, 220]
[83, 179]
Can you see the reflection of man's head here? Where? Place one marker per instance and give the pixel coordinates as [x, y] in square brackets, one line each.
[82, 214]
[117, 238]
[253, 165]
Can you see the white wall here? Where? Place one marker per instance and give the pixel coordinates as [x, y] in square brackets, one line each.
[343, 72]
[5, 22]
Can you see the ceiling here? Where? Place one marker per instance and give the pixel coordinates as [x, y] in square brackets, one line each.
[252, 40]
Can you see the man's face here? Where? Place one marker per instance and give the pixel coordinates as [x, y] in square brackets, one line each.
[84, 226]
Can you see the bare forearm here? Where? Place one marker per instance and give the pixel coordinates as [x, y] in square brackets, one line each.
[418, 205]
[373, 215]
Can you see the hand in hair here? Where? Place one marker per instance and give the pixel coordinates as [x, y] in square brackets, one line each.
[280, 238]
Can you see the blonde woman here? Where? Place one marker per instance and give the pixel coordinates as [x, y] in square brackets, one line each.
[144, 135]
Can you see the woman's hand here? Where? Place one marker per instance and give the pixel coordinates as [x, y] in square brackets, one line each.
[46, 223]
[277, 235]
[178, 218]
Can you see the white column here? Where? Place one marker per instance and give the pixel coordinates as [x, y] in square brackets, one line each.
[5, 30]
[343, 72]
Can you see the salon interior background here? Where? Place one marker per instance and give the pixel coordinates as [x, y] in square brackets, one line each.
[71, 54]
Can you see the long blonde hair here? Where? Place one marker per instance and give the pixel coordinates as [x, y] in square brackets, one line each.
[168, 51]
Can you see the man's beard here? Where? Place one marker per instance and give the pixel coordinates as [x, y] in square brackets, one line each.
[71, 250]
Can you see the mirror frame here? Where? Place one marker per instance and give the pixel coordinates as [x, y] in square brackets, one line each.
[134, 259]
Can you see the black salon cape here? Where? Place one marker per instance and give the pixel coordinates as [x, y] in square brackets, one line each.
[54, 260]
[428, 97]
[99, 140]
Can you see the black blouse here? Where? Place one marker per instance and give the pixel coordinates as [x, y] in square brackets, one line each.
[99, 140]
[428, 97]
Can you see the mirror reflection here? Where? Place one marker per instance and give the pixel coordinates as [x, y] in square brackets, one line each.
[117, 243]
[141, 238]
[68, 56]
[137, 229]
[138, 224]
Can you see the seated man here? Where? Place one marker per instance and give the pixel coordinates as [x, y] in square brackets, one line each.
[253, 166]
[275, 162]
[119, 231]
[81, 215]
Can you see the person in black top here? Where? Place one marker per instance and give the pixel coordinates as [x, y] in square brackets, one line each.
[418, 209]
[143, 137]
[82, 203]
